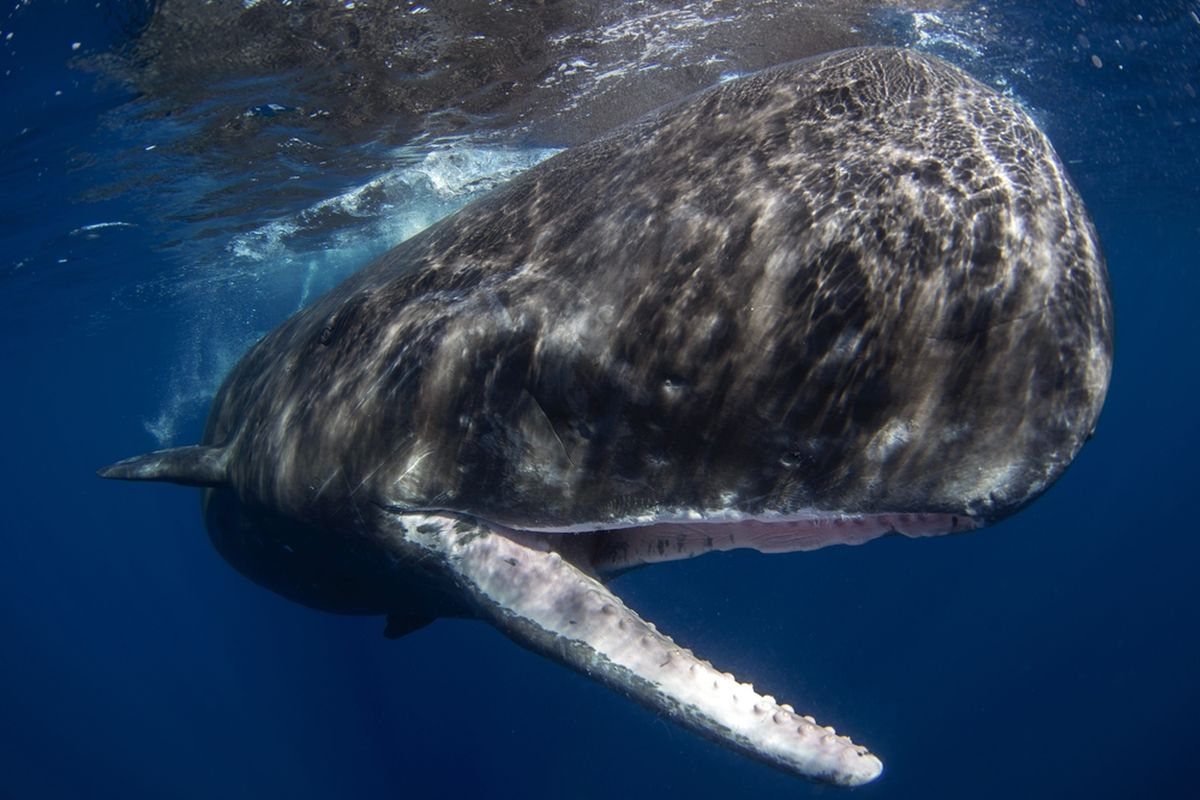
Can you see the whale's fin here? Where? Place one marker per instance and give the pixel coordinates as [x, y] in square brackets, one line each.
[403, 624]
[523, 586]
[189, 466]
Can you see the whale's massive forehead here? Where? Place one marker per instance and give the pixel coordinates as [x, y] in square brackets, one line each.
[861, 283]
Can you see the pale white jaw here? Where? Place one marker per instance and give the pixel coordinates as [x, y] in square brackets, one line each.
[521, 584]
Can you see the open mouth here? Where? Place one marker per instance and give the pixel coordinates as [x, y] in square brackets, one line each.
[545, 590]
[626, 544]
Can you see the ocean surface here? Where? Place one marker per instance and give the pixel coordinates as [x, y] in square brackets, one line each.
[179, 177]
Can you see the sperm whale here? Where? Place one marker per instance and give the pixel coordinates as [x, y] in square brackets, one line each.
[841, 298]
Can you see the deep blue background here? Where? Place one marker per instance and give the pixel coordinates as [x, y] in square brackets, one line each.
[1055, 655]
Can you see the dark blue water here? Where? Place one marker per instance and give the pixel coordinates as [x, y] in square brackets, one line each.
[1054, 655]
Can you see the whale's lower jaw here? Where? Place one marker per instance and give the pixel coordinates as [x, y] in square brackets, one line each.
[522, 585]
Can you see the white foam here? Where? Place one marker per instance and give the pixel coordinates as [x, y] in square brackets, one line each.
[393, 206]
[279, 267]
[933, 31]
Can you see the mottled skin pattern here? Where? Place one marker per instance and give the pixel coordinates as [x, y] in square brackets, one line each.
[861, 284]
[856, 291]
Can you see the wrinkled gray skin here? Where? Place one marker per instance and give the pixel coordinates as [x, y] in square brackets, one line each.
[855, 285]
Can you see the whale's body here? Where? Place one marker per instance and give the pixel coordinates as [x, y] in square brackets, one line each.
[839, 298]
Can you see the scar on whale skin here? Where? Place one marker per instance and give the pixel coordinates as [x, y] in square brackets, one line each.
[838, 299]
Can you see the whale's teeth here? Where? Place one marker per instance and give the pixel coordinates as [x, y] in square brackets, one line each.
[787, 708]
